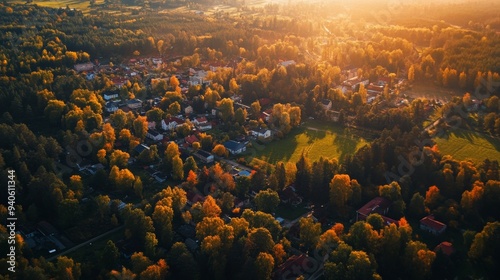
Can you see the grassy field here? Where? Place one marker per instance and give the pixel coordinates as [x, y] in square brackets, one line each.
[316, 139]
[82, 5]
[464, 144]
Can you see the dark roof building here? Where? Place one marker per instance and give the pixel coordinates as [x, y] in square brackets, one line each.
[292, 268]
[431, 225]
[378, 205]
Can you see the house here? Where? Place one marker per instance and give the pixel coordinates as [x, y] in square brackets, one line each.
[333, 115]
[261, 133]
[90, 76]
[84, 66]
[108, 95]
[188, 110]
[353, 84]
[265, 116]
[378, 205]
[326, 104]
[157, 61]
[234, 147]
[171, 123]
[202, 124]
[204, 156]
[445, 247]
[429, 224]
[140, 148]
[111, 106]
[289, 196]
[159, 176]
[287, 63]
[191, 139]
[293, 267]
[151, 125]
[134, 104]
[154, 135]
[119, 82]
[197, 77]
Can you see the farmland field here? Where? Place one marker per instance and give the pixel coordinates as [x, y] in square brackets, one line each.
[315, 139]
[82, 5]
[464, 144]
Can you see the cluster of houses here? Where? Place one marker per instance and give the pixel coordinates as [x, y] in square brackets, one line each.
[381, 205]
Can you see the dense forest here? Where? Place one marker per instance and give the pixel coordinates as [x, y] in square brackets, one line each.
[96, 179]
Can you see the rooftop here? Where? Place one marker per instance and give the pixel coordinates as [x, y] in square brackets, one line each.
[429, 222]
[376, 205]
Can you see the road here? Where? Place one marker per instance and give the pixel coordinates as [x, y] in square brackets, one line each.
[86, 243]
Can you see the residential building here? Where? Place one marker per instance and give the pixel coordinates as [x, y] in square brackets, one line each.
[134, 104]
[140, 148]
[287, 63]
[84, 66]
[234, 147]
[154, 135]
[204, 156]
[191, 139]
[378, 205]
[108, 95]
[263, 133]
[445, 247]
[292, 268]
[326, 104]
[171, 123]
[431, 225]
[111, 106]
[202, 124]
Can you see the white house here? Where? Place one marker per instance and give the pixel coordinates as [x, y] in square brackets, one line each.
[84, 66]
[188, 110]
[202, 124]
[287, 63]
[108, 95]
[111, 106]
[261, 133]
[326, 104]
[197, 77]
[154, 135]
[171, 123]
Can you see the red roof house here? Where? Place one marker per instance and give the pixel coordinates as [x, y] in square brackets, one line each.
[445, 247]
[431, 225]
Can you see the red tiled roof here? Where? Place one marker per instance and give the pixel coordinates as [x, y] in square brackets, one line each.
[191, 139]
[174, 119]
[445, 247]
[292, 267]
[433, 224]
[376, 205]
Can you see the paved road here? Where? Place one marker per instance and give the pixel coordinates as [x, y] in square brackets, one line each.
[85, 243]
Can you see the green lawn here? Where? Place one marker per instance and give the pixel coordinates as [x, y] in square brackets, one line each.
[465, 144]
[314, 138]
[289, 212]
[82, 5]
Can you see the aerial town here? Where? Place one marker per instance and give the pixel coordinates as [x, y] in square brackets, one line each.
[249, 140]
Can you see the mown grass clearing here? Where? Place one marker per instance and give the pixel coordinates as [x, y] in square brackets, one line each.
[314, 139]
[465, 144]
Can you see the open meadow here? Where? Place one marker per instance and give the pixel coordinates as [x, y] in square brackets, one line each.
[465, 144]
[315, 139]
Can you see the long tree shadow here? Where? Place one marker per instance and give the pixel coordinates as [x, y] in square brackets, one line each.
[345, 146]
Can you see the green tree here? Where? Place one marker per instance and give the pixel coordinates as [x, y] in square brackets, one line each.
[226, 108]
[177, 168]
[264, 263]
[110, 255]
[267, 200]
[310, 232]
[139, 262]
